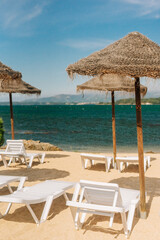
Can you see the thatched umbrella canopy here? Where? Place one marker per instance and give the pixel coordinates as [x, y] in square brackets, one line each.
[112, 83]
[17, 86]
[134, 55]
[11, 82]
[7, 73]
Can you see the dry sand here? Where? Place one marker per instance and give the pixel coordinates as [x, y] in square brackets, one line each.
[66, 166]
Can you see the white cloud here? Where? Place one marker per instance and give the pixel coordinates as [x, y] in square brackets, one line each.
[36, 11]
[146, 7]
[157, 16]
[86, 44]
[15, 13]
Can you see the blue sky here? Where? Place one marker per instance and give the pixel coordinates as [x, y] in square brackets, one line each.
[40, 38]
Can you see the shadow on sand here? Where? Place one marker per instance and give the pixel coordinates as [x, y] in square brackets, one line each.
[36, 174]
[22, 214]
[152, 186]
[49, 155]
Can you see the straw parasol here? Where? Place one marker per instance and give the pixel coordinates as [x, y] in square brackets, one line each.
[112, 83]
[11, 82]
[134, 55]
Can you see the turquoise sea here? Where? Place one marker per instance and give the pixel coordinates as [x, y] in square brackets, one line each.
[84, 127]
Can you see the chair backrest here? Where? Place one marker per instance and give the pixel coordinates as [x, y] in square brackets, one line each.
[100, 193]
[15, 146]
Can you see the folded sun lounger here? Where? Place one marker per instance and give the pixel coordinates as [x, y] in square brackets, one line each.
[15, 150]
[126, 160]
[45, 191]
[96, 157]
[104, 199]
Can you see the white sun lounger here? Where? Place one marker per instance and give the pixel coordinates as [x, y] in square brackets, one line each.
[134, 159]
[85, 157]
[15, 150]
[45, 191]
[104, 199]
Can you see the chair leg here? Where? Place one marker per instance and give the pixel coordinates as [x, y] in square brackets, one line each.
[9, 188]
[82, 219]
[21, 159]
[9, 205]
[30, 162]
[8, 209]
[42, 158]
[130, 216]
[111, 220]
[76, 220]
[107, 165]
[4, 161]
[10, 161]
[21, 183]
[118, 165]
[83, 162]
[46, 209]
[123, 216]
[110, 163]
[25, 161]
[75, 215]
[33, 214]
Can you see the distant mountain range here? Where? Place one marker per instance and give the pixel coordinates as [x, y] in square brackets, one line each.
[69, 99]
[63, 99]
[99, 98]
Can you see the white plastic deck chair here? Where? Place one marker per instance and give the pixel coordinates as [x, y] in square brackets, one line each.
[104, 199]
[131, 159]
[15, 150]
[45, 191]
[85, 157]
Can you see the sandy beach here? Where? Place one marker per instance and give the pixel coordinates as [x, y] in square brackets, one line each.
[66, 166]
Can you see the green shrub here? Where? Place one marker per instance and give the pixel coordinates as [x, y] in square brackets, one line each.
[1, 132]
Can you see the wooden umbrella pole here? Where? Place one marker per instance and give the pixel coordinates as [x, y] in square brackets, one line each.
[140, 149]
[113, 127]
[11, 111]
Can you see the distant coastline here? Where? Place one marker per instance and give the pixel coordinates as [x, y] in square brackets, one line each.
[49, 101]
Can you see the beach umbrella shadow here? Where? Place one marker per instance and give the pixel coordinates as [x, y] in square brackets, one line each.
[91, 225]
[54, 155]
[36, 174]
[152, 187]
